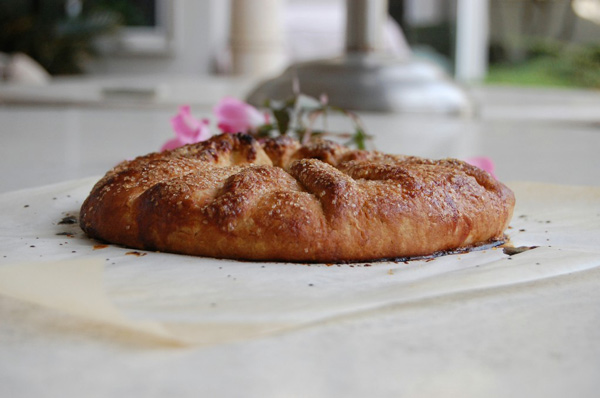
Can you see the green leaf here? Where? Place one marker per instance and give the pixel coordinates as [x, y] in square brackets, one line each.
[283, 118]
[359, 138]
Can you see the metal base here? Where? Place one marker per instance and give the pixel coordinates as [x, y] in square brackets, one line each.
[371, 82]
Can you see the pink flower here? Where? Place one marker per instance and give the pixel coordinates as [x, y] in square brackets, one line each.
[235, 116]
[483, 163]
[188, 129]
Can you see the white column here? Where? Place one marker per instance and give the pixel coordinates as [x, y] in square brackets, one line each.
[365, 21]
[472, 32]
[257, 38]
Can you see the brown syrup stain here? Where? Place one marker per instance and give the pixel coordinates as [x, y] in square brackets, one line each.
[135, 253]
[98, 247]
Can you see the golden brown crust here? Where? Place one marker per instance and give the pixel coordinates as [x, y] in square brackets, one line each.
[233, 197]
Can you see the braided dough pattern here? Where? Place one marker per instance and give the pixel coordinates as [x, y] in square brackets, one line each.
[235, 197]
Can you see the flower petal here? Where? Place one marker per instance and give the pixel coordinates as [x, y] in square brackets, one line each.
[203, 131]
[172, 144]
[235, 116]
[188, 129]
[184, 124]
[483, 163]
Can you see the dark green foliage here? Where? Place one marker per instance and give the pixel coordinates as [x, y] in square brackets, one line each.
[132, 12]
[552, 63]
[42, 30]
[298, 115]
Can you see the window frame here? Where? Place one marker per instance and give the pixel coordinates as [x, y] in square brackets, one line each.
[152, 41]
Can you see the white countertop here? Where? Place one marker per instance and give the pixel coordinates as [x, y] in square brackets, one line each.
[535, 337]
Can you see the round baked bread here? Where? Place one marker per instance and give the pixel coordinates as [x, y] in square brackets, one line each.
[235, 197]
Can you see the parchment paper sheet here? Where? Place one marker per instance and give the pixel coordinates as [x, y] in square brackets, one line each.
[186, 300]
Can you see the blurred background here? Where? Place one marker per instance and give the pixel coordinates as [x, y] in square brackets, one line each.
[526, 42]
[87, 83]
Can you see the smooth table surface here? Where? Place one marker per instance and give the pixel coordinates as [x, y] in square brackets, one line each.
[536, 337]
